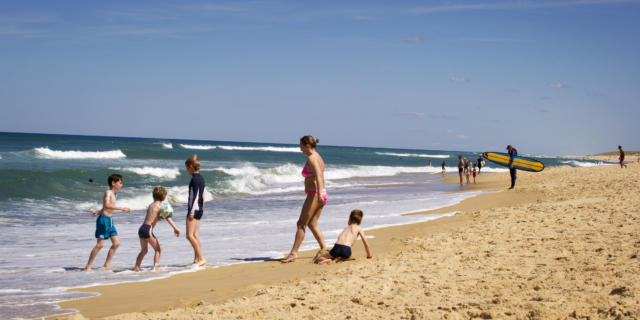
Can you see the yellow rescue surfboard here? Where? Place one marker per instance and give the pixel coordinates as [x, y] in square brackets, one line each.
[520, 163]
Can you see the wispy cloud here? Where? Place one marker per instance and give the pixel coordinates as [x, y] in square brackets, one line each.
[161, 32]
[488, 40]
[137, 15]
[595, 94]
[416, 115]
[514, 5]
[26, 26]
[458, 79]
[557, 85]
[457, 134]
[541, 109]
[416, 39]
[28, 19]
[421, 115]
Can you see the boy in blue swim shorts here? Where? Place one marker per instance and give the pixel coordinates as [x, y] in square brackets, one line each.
[342, 248]
[104, 223]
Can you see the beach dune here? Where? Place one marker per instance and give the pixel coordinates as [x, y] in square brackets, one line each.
[563, 244]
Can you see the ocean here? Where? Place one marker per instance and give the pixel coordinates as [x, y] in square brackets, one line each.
[253, 199]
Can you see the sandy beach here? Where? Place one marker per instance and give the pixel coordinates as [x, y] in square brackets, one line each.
[563, 244]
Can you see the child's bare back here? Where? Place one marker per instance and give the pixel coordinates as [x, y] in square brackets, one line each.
[349, 235]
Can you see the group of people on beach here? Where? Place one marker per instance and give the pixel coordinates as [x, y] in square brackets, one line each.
[105, 228]
[313, 173]
[468, 169]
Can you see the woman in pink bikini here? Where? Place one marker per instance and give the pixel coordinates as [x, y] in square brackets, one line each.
[313, 173]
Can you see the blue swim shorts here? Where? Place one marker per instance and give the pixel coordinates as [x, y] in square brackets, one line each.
[105, 228]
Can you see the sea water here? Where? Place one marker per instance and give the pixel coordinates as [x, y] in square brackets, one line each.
[254, 193]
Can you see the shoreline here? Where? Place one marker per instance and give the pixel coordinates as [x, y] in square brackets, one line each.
[562, 244]
[232, 286]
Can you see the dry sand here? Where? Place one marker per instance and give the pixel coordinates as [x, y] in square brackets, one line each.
[563, 244]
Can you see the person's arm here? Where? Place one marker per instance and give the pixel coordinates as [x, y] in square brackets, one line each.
[176, 231]
[192, 198]
[512, 154]
[366, 244]
[315, 164]
[109, 203]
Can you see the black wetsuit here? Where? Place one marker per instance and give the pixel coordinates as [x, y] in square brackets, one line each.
[512, 171]
[195, 206]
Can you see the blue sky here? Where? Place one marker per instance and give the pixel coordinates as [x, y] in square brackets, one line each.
[550, 77]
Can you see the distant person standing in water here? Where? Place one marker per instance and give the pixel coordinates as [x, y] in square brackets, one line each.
[443, 169]
[429, 163]
[313, 173]
[479, 163]
[460, 168]
[512, 171]
[622, 165]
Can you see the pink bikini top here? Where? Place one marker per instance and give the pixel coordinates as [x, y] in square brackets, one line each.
[306, 173]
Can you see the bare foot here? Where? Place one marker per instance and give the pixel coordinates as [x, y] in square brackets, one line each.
[325, 261]
[107, 267]
[87, 268]
[157, 267]
[290, 258]
[201, 263]
[136, 269]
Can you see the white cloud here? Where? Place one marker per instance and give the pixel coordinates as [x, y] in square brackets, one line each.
[459, 79]
[511, 5]
[416, 39]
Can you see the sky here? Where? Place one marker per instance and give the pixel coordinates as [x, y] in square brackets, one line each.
[552, 77]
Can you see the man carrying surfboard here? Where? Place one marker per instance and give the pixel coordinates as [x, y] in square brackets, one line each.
[512, 171]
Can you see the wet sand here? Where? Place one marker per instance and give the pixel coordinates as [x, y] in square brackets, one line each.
[563, 244]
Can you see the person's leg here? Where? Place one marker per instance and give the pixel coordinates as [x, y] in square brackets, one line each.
[143, 251]
[155, 244]
[114, 246]
[191, 229]
[512, 172]
[316, 210]
[196, 233]
[94, 252]
[323, 257]
[303, 221]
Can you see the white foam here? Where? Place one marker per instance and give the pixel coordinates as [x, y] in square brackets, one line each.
[249, 179]
[163, 173]
[10, 290]
[267, 148]
[197, 147]
[576, 163]
[47, 153]
[419, 155]
[370, 171]
[167, 145]
[180, 195]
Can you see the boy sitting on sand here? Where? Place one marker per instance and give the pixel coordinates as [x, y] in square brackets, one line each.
[146, 229]
[342, 249]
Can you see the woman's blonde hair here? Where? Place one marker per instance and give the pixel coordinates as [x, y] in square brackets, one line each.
[193, 162]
